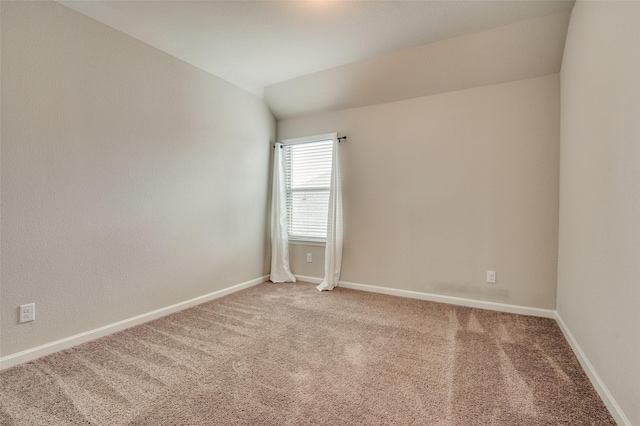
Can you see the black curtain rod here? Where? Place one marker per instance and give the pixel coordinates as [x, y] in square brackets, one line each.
[340, 139]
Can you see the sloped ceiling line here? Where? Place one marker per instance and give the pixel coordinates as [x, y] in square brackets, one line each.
[289, 47]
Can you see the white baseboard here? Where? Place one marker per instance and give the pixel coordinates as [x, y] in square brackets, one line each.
[605, 395]
[307, 279]
[52, 347]
[452, 300]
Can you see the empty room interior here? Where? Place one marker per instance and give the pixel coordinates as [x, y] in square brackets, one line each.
[179, 179]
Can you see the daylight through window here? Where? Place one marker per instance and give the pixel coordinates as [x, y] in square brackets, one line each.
[308, 179]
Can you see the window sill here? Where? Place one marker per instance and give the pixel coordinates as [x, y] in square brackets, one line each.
[308, 243]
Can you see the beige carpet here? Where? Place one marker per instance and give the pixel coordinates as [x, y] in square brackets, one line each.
[285, 354]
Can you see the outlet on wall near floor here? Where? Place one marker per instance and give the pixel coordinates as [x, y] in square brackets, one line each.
[491, 277]
[309, 258]
[27, 312]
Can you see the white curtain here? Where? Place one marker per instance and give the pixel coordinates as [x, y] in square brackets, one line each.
[333, 250]
[280, 270]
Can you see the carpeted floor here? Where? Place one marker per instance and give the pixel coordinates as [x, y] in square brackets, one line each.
[285, 354]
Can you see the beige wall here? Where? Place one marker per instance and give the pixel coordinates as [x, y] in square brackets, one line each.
[130, 180]
[440, 189]
[599, 248]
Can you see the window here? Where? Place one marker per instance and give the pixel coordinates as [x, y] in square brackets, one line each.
[307, 167]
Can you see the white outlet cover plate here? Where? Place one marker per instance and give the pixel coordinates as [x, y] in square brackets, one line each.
[27, 312]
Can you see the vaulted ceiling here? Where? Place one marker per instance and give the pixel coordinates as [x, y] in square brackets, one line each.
[314, 55]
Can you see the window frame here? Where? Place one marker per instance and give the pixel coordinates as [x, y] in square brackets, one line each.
[307, 240]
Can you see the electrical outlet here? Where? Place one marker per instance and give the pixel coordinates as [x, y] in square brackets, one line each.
[309, 258]
[27, 312]
[491, 277]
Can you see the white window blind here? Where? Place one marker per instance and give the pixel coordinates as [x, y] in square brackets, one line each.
[308, 178]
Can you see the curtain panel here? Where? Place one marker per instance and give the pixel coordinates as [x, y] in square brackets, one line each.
[280, 270]
[333, 249]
